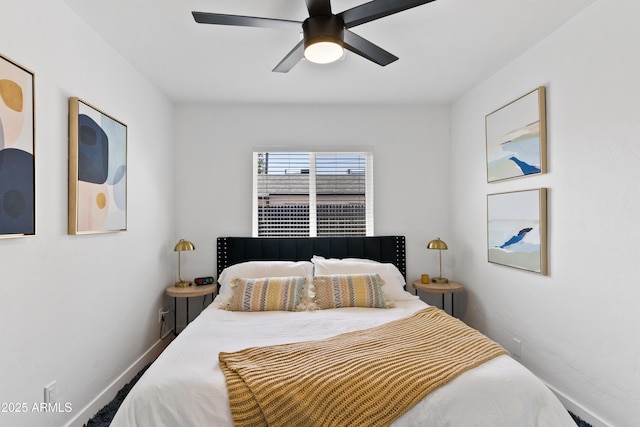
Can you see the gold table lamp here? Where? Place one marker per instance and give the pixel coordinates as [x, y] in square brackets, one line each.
[440, 246]
[182, 245]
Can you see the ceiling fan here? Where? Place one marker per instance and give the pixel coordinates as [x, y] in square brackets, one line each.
[325, 34]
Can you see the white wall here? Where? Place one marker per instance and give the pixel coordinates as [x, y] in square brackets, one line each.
[578, 325]
[81, 309]
[214, 179]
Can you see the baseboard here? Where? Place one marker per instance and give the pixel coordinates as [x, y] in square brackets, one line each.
[579, 410]
[112, 389]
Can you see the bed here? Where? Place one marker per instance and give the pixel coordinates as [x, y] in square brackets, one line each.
[187, 384]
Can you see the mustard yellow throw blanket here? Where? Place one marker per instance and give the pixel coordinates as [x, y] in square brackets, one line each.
[362, 378]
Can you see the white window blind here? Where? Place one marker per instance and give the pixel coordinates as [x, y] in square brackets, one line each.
[312, 194]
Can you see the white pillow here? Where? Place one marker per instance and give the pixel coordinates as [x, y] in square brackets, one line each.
[260, 269]
[393, 286]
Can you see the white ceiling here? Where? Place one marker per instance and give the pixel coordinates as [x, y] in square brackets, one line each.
[445, 48]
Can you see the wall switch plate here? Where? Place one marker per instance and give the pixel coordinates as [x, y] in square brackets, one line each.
[517, 348]
[50, 393]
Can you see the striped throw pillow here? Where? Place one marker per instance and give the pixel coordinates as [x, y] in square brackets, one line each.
[348, 290]
[266, 294]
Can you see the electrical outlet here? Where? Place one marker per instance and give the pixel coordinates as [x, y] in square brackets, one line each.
[50, 393]
[516, 349]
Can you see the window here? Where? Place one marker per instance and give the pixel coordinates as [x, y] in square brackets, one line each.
[312, 194]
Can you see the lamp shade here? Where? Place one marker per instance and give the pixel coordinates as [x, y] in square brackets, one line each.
[437, 244]
[184, 245]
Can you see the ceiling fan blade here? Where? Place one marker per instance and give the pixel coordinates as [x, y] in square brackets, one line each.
[292, 58]
[245, 21]
[366, 49]
[319, 7]
[376, 9]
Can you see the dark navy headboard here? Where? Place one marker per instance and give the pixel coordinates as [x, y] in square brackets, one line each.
[233, 250]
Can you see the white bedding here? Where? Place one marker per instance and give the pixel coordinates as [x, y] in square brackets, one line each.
[185, 386]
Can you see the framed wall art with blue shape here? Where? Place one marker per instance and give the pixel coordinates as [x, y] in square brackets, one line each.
[516, 138]
[97, 170]
[17, 150]
[517, 229]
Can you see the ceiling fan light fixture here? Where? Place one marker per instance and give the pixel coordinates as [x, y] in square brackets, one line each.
[323, 37]
[323, 52]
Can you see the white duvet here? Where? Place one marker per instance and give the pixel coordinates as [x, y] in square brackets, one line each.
[185, 386]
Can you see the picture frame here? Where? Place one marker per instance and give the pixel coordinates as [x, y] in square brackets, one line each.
[97, 170]
[517, 229]
[516, 138]
[17, 150]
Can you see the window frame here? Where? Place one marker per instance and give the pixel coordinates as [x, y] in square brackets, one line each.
[313, 204]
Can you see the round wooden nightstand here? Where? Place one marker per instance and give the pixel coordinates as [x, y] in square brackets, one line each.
[439, 288]
[188, 292]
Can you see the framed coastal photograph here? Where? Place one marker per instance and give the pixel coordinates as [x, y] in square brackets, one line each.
[97, 170]
[516, 138]
[17, 151]
[517, 229]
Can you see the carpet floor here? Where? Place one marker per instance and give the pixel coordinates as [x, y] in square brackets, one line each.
[105, 415]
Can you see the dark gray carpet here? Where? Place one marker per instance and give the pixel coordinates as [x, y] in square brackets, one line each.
[105, 415]
[579, 421]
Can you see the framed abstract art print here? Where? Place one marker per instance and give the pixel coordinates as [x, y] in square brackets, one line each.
[97, 170]
[517, 229]
[516, 138]
[17, 150]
